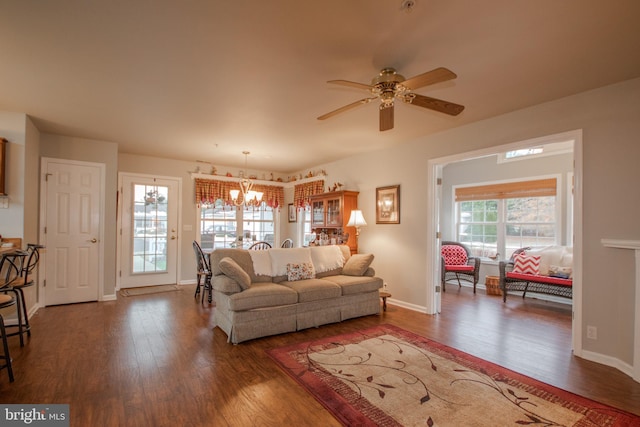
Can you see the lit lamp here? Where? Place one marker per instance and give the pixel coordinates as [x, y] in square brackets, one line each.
[356, 220]
[249, 197]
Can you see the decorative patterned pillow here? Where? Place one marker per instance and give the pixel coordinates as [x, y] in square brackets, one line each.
[561, 272]
[300, 271]
[454, 255]
[526, 264]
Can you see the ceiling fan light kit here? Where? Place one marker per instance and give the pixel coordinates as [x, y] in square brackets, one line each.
[389, 85]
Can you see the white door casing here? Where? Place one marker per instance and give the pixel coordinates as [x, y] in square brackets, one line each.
[72, 211]
[148, 224]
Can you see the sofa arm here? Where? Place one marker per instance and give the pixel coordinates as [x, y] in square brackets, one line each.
[225, 284]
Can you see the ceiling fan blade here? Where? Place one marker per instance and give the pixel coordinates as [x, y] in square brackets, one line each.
[434, 104]
[351, 84]
[345, 108]
[429, 78]
[386, 117]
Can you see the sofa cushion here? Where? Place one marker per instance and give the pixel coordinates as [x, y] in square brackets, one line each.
[539, 278]
[300, 271]
[527, 264]
[314, 289]
[262, 295]
[231, 269]
[357, 264]
[453, 255]
[356, 284]
[242, 257]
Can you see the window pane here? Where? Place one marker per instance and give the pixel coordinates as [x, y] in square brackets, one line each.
[217, 226]
[477, 226]
[149, 229]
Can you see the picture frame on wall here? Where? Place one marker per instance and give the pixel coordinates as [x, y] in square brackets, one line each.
[293, 213]
[388, 205]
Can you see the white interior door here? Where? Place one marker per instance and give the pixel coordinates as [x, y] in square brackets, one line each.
[149, 231]
[72, 197]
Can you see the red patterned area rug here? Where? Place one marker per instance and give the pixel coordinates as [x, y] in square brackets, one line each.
[387, 376]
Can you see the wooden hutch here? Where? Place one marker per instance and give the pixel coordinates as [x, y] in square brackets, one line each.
[330, 213]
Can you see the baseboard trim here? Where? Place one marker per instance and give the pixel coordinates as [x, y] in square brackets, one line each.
[613, 362]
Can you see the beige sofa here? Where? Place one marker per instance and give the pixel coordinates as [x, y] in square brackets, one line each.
[261, 293]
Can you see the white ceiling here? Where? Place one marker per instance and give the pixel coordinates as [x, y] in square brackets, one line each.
[205, 79]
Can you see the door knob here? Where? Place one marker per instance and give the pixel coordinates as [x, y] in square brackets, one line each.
[173, 237]
[94, 240]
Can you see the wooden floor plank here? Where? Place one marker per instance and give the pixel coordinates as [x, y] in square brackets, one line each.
[155, 360]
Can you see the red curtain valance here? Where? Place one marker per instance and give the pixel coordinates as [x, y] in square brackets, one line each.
[208, 191]
[302, 192]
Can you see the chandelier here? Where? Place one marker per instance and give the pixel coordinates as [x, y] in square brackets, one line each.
[249, 197]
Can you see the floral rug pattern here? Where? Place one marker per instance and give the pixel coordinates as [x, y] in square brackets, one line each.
[387, 376]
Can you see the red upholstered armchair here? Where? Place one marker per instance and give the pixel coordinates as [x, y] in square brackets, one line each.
[457, 262]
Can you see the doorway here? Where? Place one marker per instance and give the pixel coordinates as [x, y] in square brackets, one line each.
[148, 230]
[433, 255]
[72, 231]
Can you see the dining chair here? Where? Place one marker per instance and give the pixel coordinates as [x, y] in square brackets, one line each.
[287, 243]
[259, 246]
[203, 272]
[25, 280]
[10, 265]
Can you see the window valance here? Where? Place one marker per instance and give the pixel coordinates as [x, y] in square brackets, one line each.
[509, 190]
[302, 192]
[210, 190]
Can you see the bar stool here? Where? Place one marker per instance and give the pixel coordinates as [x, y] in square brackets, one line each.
[10, 266]
[32, 255]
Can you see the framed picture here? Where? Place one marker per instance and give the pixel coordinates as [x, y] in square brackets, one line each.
[293, 213]
[388, 205]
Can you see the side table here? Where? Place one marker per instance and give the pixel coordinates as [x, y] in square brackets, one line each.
[384, 296]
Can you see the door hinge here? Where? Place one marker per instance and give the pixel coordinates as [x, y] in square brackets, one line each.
[46, 176]
[439, 181]
[120, 273]
[45, 230]
[438, 235]
[438, 289]
[44, 283]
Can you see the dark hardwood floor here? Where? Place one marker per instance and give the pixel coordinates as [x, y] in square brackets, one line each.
[155, 360]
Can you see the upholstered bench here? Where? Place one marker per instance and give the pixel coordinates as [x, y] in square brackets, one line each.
[545, 270]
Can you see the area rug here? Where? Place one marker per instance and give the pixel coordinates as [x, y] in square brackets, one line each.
[387, 376]
[146, 290]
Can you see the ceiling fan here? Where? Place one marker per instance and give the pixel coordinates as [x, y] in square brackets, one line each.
[389, 85]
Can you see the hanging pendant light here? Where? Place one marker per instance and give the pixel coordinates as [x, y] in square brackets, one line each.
[249, 197]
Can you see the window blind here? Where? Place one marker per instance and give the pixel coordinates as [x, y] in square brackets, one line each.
[509, 190]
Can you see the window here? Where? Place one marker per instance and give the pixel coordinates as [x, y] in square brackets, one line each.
[478, 226]
[224, 226]
[497, 219]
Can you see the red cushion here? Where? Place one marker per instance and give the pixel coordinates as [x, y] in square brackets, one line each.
[540, 278]
[454, 255]
[458, 267]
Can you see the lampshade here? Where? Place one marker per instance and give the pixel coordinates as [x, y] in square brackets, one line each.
[356, 219]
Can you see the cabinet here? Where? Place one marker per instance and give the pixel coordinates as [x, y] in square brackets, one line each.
[331, 211]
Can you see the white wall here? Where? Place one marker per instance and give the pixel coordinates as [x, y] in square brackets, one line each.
[89, 150]
[610, 120]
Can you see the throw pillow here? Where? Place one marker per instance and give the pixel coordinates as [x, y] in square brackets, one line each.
[357, 264]
[231, 268]
[454, 255]
[561, 272]
[526, 264]
[300, 271]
